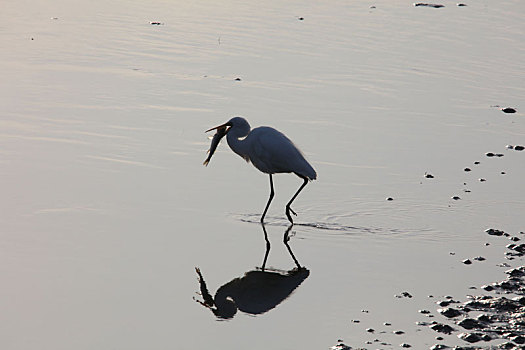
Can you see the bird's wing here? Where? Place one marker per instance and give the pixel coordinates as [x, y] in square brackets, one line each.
[273, 152]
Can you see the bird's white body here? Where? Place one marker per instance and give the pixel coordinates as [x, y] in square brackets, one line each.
[270, 151]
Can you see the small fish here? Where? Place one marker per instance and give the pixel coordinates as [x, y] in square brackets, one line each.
[221, 132]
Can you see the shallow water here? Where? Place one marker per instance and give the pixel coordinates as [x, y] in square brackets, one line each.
[106, 208]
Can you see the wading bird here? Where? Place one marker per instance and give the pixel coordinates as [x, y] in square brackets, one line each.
[269, 150]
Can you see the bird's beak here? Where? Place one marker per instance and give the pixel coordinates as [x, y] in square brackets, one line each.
[219, 127]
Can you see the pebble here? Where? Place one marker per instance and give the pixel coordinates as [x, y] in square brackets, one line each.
[428, 5]
[470, 337]
[470, 323]
[442, 328]
[518, 339]
[487, 287]
[508, 110]
[449, 312]
[404, 295]
[340, 346]
[494, 232]
[439, 347]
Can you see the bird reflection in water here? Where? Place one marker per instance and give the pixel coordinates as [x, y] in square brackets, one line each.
[258, 291]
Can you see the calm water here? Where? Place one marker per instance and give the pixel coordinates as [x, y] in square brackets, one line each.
[106, 208]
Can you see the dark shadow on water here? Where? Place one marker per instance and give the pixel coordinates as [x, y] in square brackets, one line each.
[258, 291]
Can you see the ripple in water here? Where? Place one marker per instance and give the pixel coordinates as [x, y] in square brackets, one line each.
[333, 227]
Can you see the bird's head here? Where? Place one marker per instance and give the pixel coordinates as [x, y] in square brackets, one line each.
[236, 122]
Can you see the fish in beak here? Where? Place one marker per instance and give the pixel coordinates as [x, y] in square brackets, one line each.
[222, 130]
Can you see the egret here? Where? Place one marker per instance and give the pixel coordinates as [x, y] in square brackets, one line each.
[268, 150]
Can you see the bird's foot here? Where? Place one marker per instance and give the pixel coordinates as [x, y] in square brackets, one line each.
[288, 210]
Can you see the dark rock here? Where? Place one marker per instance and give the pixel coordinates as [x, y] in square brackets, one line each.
[482, 180]
[467, 169]
[439, 347]
[470, 337]
[484, 318]
[449, 312]
[488, 288]
[429, 176]
[467, 262]
[519, 148]
[461, 4]
[509, 110]
[456, 198]
[470, 323]
[517, 272]
[486, 337]
[340, 346]
[390, 199]
[519, 339]
[494, 232]
[404, 295]
[405, 345]
[489, 154]
[428, 5]
[398, 332]
[442, 328]
[479, 258]
[370, 330]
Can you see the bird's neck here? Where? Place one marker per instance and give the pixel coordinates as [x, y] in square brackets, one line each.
[236, 138]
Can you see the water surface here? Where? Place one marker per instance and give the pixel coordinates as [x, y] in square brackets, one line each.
[106, 208]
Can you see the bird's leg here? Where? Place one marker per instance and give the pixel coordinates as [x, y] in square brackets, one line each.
[267, 247]
[288, 209]
[269, 199]
[286, 238]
